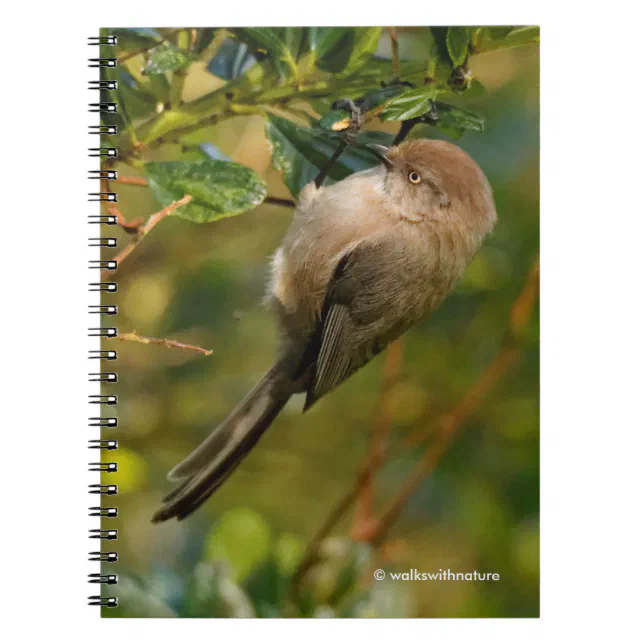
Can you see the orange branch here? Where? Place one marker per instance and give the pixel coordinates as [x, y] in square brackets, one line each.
[507, 355]
[375, 531]
[152, 221]
[381, 428]
[173, 344]
[132, 227]
[132, 181]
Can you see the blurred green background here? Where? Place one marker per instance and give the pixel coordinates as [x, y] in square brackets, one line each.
[203, 284]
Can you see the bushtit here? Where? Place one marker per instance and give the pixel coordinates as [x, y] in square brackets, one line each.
[363, 260]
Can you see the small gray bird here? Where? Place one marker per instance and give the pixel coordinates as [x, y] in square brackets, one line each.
[363, 260]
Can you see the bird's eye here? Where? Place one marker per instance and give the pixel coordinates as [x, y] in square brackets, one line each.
[414, 177]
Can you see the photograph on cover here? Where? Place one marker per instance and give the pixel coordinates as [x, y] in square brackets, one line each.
[327, 286]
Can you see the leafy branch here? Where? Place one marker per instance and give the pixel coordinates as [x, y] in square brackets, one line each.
[143, 183]
[295, 64]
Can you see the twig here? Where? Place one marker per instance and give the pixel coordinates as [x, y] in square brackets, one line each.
[504, 359]
[132, 227]
[365, 474]
[405, 129]
[279, 201]
[488, 379]
[173, 344]
[395, 59]
[112, 209]
[132, 181]
[152, 221]
[519, 317]
[312, 553]
[381, 428]
[140, 181]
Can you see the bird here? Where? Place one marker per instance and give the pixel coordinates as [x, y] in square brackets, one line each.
[362, 261]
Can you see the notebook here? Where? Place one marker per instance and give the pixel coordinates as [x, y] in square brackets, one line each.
[316, 349]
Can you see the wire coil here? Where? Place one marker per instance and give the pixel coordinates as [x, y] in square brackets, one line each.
[105, 104]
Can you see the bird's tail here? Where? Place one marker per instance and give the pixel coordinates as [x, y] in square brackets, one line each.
[203, 471]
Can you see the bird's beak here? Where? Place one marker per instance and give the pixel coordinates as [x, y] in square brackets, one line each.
[381, 152]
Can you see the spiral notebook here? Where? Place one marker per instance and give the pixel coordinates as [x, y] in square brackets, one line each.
[340, 221]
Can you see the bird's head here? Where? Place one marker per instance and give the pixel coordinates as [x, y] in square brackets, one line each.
[431, 180]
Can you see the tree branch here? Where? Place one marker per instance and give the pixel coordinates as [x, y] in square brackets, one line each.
[381, 428]
[173, 344]
[372, 463]
[279, 201]
[507, 355]
[152, 221]
[140, 181]
[375, 532]
[312, 552]
[132, 181]
[131, 227]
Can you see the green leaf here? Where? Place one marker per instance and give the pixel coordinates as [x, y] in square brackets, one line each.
[167, 58]
[232, 60]
[218, 188]
[242, 538]
[268, 42]
[293, 38]
[321, 40]
[338, 119]
[410, 104]
[135, 101]
[440, 46]
[204, 38]
[347, 53]
[433, 53]
[300, 152]
[498, 33]
[458, 41]
[493, 38]
[455, 118]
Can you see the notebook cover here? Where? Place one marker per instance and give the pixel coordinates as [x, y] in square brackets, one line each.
[410, 488]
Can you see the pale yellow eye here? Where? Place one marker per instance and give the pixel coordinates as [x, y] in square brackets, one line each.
[414, 177]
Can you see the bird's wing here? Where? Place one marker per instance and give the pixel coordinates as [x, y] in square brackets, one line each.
[363, 312]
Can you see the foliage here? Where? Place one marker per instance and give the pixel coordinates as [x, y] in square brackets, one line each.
[218, 188]
[291, 76]
[247, 572]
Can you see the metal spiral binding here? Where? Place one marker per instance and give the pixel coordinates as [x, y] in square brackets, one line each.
[104, 105]
[110, 287]
[96, 354]
[103, 556]
[99, 511]
[103, 84]
[110, 153]
[108, 220]
[103, 129]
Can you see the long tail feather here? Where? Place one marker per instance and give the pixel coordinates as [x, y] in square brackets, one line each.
[203, 471]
